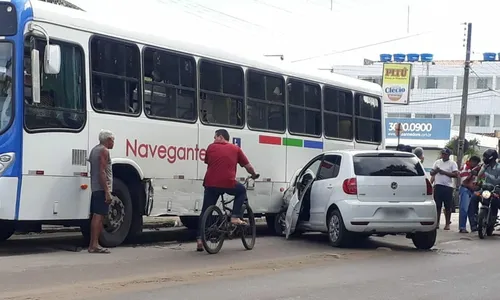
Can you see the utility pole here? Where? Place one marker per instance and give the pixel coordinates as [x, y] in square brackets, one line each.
[408, 21]
[331, 5]
[465, 94]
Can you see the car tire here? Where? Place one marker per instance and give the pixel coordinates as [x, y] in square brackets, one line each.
[424, 240]
[338, 235]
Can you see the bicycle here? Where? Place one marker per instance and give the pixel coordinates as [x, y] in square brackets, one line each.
[221, 227]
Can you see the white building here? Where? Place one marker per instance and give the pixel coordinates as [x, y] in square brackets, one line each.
[436, 94]
[437, 91]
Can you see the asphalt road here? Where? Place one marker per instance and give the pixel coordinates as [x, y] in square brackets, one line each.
[464, 270]
[165, 266]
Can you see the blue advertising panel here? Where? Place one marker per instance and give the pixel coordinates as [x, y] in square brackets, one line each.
[419, 129]
[237, 141]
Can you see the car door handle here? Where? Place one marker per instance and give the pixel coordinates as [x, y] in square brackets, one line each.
[330, 187]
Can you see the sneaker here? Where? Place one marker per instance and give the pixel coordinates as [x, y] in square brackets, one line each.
[463, 231]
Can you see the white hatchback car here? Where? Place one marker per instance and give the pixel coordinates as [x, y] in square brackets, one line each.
[358, 193]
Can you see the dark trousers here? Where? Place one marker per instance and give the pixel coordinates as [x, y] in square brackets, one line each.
[212, 194]
[443, 196]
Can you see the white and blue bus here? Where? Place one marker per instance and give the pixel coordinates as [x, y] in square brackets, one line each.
[67, 73]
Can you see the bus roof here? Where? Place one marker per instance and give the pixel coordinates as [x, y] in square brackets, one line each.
[153, 31]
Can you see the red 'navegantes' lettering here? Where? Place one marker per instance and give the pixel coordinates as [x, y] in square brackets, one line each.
[170, 153]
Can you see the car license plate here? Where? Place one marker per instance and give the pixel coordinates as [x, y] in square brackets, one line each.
[394, 212]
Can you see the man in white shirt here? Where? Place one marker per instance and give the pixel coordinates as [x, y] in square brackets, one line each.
[444, 170]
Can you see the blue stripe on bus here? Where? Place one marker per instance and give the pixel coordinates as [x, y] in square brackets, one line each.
[313, 144]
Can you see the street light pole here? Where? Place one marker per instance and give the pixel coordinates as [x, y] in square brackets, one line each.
[465, 94]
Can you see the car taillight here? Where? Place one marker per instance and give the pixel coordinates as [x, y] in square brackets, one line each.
[429, 186]
[350, 186]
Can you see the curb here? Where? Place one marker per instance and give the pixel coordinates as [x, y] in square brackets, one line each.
[152, 223]
[147, 225]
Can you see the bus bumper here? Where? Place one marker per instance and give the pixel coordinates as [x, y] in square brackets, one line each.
[8, 197]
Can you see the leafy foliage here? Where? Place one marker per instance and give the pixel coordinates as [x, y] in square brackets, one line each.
[471, 147]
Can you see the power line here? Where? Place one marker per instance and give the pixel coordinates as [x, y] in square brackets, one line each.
[362, 47]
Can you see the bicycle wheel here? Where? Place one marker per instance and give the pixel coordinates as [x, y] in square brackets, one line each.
[248, 232]
[213, 229]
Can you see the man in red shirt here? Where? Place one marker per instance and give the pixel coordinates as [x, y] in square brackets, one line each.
[222, 159]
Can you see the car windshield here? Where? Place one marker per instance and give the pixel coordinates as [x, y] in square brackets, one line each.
[5, 85]
[387, 164]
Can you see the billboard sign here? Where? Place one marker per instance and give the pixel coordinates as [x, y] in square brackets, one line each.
[418, 129]
[396, 83]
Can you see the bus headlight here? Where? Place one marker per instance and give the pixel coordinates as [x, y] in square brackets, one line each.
[486, 194]
[6, 160]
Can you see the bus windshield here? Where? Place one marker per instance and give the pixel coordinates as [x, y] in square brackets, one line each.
[5, 85]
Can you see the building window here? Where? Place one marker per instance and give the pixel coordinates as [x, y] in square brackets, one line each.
[62, 96]
[430, 82]
[337, 113]
[475, 83]
[265, 101]
[169, 85]
[496, 121]
[221, 94]
[304, 108]
[497, 86]
[368, 115]
[473, 120]
[399, 115]
[116, 71]
[432, 116]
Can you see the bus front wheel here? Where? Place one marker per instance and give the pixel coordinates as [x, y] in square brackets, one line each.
[119, 219]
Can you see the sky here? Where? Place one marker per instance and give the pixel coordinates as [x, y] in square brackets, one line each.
[322, 33]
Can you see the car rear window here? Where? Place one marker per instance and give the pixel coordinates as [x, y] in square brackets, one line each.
[387, 164]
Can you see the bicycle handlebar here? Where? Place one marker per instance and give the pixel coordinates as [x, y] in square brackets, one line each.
[250, 177]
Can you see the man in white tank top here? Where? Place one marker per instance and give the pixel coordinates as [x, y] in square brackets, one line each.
[101, 184]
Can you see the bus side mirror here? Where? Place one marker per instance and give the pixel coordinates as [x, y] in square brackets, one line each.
[52, 59]
[35, 75]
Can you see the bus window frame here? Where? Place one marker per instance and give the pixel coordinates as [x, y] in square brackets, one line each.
[200, 90]
[196, 85]
[84, 88]
[382, 137]
[266, 73]
[91, 81]
[325, 86]
[14, 83]
[288, 79]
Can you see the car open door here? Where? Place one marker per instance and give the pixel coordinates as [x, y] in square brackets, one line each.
[293, 211]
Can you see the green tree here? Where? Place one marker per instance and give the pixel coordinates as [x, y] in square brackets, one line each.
[471, 147]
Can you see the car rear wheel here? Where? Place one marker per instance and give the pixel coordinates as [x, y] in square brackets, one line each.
[338, 235]
[424, 240]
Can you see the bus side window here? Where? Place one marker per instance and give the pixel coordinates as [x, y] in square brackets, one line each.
[368, 115]
[337, 113]
[169, 85]
[62, 105]
[304, 107]
[221, 94]
[115, 69]
[265, 101]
